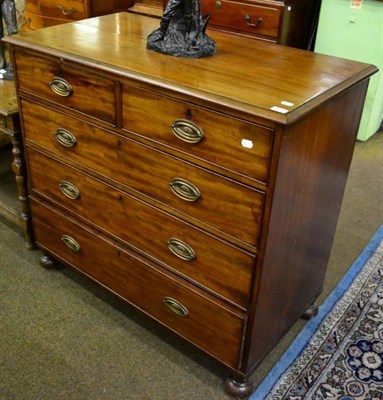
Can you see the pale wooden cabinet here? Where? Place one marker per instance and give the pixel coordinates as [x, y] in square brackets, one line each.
[203, 192]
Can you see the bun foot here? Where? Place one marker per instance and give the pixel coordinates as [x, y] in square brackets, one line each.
[311, 312]
[237, 389]
[47, 262]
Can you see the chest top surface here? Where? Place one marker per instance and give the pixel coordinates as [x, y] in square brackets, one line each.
[272, 81]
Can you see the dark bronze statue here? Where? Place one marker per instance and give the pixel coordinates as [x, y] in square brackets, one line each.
[8, 14]
[182, 31]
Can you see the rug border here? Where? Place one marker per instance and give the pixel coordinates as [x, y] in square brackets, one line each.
[298, 344]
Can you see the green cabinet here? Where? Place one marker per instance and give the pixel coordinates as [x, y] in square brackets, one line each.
[353, 29]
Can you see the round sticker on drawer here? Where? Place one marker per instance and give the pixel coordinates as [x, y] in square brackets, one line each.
[248, 144]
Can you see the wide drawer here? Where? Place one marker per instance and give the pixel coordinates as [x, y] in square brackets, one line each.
[230, 143]
[256, 19]
[219, 203]
[215, 329]
[69, 87]
[34, 21]
[63, 9]
[185, 249]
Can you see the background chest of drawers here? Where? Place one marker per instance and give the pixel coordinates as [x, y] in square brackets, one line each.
[292, 23]
[205, 196]
[43, 13]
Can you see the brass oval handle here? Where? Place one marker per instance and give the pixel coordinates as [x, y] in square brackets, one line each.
[181, 249]
[257, 22]
[70, 243]
[65, 138]
[187, 131]
[218, 4]
[175, 306]
[60, 86]
[69, 190]
[66, 13]
[185, 190]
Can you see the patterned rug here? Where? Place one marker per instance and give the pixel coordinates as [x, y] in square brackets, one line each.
[339, 353]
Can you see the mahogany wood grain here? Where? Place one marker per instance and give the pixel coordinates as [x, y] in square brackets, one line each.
[142, 284]
[146, 228]
[252, 86]
[245, 147]
[224, 206]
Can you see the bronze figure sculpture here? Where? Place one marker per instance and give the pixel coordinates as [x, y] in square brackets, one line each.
[8, 14]
[182, 31]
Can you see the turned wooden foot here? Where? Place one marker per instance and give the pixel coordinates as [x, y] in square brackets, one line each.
[311, 312]
[239, 389]
[47, 262]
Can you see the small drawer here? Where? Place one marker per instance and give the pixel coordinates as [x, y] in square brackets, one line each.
[230, 143]
[244, 17]
[183, 248]
[66, 10]
[72, 88]
[220, 204]
[213, 328]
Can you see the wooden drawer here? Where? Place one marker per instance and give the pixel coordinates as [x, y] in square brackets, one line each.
[222, 204]
[189, 251]
[68, 10]
[208, 325]
[34, 21]
[230, 143]
[88, 93]
[250, 18]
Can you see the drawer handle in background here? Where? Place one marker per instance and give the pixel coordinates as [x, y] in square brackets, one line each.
[60, 86]
[66, 13]
[184, 189]
[70, 243]
[65, 137]
[257, 23]
[69, 190]
[175, 306]
[187, 131]
[181, 249]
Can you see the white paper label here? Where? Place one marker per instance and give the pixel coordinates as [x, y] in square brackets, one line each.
[248, 144]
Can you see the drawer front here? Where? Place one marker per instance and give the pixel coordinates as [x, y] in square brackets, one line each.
[206, 324]
[81, 91]
[242, 17]
[34, 21]
[68, 10]
[182, 247]
[227, 142]
[220, 203]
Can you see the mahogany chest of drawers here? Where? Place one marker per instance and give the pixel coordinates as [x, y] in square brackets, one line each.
[43, 13]
[204, 192]
[288, 22]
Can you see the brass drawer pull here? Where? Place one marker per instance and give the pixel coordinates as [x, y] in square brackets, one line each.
[257, 23]
[70, 243]
[65, 138]
[69, 190]
[181, 249]
[187, 131]
[175, 306]
[184, 189]
[66, 13]
[60, 86]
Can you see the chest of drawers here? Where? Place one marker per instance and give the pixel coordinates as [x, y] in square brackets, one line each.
[205, 195]
[288, 22]
[43, 13]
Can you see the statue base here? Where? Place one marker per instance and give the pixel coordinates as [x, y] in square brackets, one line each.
[178, 41]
